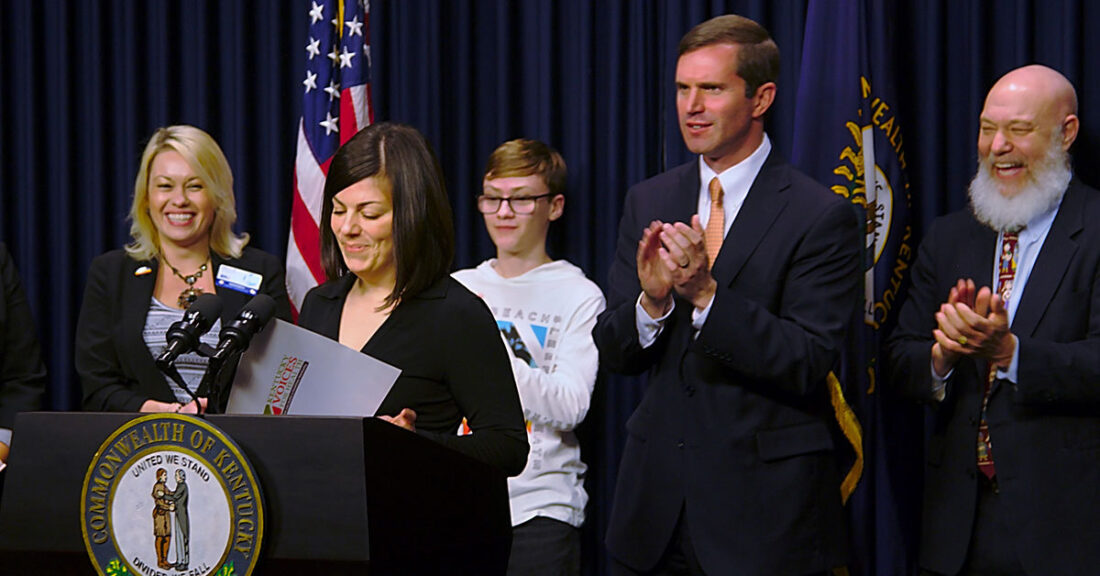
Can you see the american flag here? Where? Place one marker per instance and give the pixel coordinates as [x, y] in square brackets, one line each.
[335, 105]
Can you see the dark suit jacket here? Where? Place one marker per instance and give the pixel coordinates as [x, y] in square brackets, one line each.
[116, 369]
[1045, 429]
[735, 426]
[453, 365]
[23, 377]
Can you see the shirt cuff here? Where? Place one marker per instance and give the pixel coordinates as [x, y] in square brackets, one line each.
[1011, 372]
[699, 317]
[649, 328]
[939, 385]
[5, 436]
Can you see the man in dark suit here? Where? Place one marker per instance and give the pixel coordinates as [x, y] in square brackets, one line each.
[1001, 335]
[22, 375]
[734, 281]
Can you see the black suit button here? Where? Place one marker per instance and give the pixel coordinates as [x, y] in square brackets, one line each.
[679, 443]
[690, 390]
[970, 473]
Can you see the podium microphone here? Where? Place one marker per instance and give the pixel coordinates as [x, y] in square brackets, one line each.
[183, 336]
[236, 337]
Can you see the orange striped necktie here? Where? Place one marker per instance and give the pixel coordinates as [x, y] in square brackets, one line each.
[716, 223]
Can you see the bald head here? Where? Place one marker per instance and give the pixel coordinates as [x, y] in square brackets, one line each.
[1038, 81]
[1038, 96]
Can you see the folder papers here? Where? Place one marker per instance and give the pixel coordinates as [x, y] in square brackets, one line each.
[290, 370]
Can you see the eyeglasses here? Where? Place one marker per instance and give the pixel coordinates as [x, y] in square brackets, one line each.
[518, 204]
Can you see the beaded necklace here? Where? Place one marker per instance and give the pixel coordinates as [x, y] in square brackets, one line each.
[192, 292]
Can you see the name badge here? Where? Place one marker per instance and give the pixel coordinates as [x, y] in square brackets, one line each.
[239, 280]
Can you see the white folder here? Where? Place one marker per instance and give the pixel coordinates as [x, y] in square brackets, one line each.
[290, 370]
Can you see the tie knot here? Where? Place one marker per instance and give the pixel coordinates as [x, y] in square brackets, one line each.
[715, 190]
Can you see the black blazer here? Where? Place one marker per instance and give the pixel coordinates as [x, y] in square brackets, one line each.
[736, 426]
[1045, 429]
[453, 365]
[116, 369]
[23, 377]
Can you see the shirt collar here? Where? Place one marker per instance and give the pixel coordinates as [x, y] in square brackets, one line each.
[1038, 226]
[737, 178]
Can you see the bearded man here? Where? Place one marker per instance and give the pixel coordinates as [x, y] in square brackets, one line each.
[1001, 335]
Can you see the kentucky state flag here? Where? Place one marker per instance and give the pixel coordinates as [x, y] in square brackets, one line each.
[848, 136]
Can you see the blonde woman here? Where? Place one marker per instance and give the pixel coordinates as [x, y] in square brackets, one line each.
[183, 245]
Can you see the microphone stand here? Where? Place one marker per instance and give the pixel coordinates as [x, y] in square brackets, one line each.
[215, 379]
[169, 369]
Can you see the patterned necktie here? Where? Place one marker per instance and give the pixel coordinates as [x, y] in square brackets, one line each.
[1006, 274]
[716, 224]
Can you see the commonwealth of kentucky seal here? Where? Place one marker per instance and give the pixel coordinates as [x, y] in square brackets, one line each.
[171, 495]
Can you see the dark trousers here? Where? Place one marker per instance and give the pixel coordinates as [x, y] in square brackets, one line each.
[678, 559]
[545, 547]
[991, 551]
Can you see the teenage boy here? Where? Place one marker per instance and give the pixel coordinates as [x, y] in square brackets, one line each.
[546, 310]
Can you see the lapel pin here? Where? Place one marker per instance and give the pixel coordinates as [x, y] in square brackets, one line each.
[142, 271]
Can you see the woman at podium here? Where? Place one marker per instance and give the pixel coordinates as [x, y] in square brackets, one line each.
[182, 246]
[387, 242]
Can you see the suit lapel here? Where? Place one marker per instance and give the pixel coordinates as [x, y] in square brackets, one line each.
[975, 250]
[232, 300]
[137, 293]
[976, 264]
[685, 203]
[1051, 265]
[764, 203]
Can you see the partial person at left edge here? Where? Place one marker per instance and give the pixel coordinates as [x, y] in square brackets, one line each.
[23, 380]
[183, 243]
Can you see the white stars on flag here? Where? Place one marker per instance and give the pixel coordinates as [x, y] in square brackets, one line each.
[355, 27]
[345, 58]
[333, 90]
[335, 106]
[330, 123]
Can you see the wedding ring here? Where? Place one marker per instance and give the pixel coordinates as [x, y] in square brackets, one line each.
[962, 340]
[686, 265]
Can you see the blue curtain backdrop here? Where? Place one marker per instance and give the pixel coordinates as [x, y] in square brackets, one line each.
[85, 82]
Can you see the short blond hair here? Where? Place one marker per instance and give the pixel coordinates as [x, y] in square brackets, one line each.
[523, 157]
[205, 157]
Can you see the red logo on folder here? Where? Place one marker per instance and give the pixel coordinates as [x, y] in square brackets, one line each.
[285, 383]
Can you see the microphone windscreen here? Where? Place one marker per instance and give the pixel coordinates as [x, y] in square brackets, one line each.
[209, 307]
[262, 306]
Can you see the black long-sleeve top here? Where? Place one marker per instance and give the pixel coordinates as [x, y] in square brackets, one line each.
[453, 365]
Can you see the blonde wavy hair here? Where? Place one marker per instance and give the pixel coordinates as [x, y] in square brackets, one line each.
[205, 157]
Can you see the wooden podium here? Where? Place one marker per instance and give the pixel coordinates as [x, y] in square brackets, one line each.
[342, 496]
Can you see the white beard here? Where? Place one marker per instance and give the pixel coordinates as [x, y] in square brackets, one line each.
[1047, 183]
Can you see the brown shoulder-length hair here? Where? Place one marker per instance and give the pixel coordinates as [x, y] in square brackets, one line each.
[757, 56]
[423, 230]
